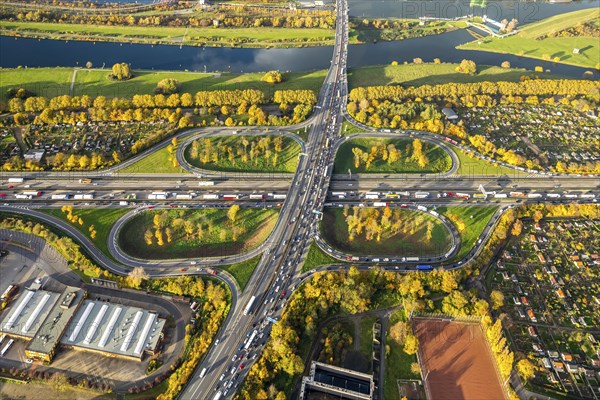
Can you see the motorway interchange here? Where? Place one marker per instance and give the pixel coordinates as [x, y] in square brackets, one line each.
[313, 187]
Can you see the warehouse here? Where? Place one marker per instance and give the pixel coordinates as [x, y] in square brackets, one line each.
[46, 319]
[114, 330]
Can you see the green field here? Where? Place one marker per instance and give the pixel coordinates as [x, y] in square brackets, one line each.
[439, 160]
[429, 74]
[287, 159]
[209, 36]
[399, 362]
[102, 219]
[156, 162]
[476, 166]
[349, 128]
[52, 82]
[334, 230]
[316, 258]
[526, 42]
[366, 335]
[242, 271]
[212, 233]
[474, 218]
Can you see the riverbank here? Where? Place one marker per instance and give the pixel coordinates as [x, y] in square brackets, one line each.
[536, 40]
[52, 82]
[263, 37]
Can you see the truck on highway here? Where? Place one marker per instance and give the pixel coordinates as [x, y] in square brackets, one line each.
[534, 195]
[434, 213]
[424, 267]
[210, 196]
[500, 196]
[231, 197]
[421, 195]
[553, 195]
[15, 180]
[122, 203]
[405, 194]
[516, 194]
[466, 196]
[587, 196]
[250, 339]
[153, 196]
[337, 194]
[279, 196]
[410, 259]
[85, 180]
[218, 395]
[210, 271]
[32, 193]
[185, 196]
[23, 196]
[257, 197]
[379, 204]
[571, 196]
[372, 195]
[60, 196]
[206, 183]
[479, 196]
[249, 305]
[83, 197]
[422, 208]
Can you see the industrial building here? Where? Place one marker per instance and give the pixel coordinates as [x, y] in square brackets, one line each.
[114, 330]
[46, 319]
[329, 382]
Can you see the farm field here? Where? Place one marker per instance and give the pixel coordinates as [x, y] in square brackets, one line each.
[457, 361]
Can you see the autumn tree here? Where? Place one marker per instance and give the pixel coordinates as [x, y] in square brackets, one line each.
[273, 77]
[467, 67]
[136, 277]
[167, 86]
[411, 344]
[232, 212]
[517, 228]
[526, 369]
[497, 299]
[121, 72]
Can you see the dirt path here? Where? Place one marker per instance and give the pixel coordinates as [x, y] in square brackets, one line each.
[73, 81]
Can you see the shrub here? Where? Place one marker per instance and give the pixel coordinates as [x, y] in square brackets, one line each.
[121, 72]
[273, 77]
[467, 67]
[505, 64]
[167, 86]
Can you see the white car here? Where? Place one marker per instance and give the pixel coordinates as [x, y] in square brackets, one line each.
[29, 361]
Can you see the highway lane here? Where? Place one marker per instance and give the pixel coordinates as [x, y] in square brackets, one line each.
[313, 172]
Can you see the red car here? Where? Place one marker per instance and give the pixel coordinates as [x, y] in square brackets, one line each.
[403, 205]
[241, 366]
[182, 269]
[150, 207]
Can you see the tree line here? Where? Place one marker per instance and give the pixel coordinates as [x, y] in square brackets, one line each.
[375, 223]
[227, 16]
[390, 154]
[245, 151]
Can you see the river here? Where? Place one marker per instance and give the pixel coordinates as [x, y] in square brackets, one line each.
[50, 53]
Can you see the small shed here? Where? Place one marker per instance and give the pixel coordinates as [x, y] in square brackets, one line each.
[450, 113]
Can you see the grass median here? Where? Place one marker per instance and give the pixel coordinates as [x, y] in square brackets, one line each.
[402, 234]
[100, 219]
[438, 159]
[185, 233]
[470, 221]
